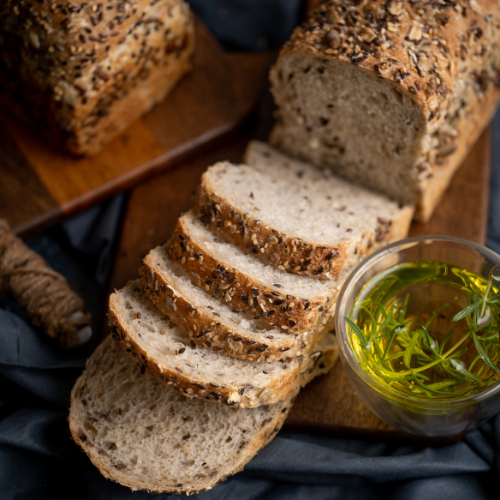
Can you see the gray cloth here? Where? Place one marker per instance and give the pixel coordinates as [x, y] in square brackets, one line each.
[249, 24]
[494, 215]
[39, 461]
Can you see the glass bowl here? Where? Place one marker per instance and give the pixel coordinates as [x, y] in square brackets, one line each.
[423, 417]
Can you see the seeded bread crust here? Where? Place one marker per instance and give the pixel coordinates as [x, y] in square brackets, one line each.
[442, 56]
[85, 424]
[242, 397]
[280, 249]
[289, 312]
[476, 116]
[212, 332]
[283, 251]
[83, 71]
[388, 228]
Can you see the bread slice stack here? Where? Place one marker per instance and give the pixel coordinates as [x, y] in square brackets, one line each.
[229, 319]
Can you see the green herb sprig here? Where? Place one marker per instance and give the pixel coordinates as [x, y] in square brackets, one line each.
[419, 352]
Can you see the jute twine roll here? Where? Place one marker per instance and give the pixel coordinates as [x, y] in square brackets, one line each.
[43, 293]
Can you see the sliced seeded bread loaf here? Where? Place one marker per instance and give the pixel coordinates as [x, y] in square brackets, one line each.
[391, 94]
[145, 435]
[291, 302]
[167, 353]
[296, 216]
[214, 323]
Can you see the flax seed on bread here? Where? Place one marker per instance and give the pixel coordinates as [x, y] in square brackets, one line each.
[291, 302]
[294, 215]
[83, 72]
[167, 353]
[213, 323]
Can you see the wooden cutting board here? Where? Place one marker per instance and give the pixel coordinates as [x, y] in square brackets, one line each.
[40, 185]
[328, 404]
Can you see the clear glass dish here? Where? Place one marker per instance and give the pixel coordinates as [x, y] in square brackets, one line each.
[426, 418]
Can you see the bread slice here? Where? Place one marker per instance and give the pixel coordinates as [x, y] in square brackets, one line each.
[145, 435]
[215, 324]
[294, 215]
[291, 302]
[167, 353]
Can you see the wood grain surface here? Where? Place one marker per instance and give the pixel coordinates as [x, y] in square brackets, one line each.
[202, 108]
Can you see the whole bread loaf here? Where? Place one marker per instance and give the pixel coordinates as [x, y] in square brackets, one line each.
[390, 94]
[83, 71]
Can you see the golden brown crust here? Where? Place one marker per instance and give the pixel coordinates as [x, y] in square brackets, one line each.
[82, 60]
[475, 120]
[64, 32]
[82, 438]
[291, 313]
[240, 397]
[90, 139]
[397, 230]
[279, 249]
[210, 331]
[422, 46]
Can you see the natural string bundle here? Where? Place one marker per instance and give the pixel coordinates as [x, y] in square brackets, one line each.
[43, 293]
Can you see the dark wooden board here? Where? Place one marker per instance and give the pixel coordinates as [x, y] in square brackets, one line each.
[40, 185]
[329, 403]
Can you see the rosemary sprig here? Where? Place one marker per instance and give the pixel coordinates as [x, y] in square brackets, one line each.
[417, 352]
[355, 328]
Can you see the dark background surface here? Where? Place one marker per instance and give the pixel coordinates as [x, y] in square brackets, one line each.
[38, 460]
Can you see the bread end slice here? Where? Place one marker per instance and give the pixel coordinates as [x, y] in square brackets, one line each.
[146, 436]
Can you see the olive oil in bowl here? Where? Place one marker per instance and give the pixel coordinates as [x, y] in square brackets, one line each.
[428, 330]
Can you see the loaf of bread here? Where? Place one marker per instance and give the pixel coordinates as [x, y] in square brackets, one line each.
[390, 94]
[83, 71]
